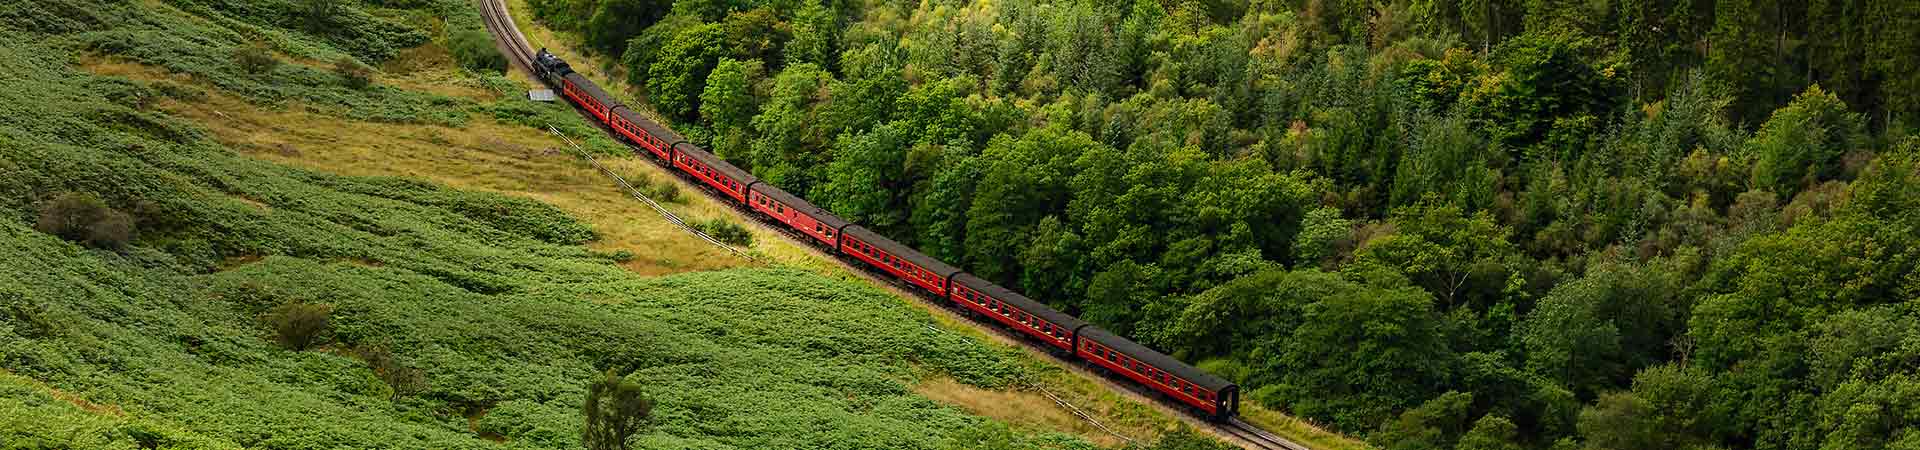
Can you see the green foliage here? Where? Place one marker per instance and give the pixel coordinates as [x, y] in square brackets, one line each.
[1324, 235]
[1446, 159]
[1460, 258]
[725, 231]
[320, 16]
[82, 216]
[299, 326]
[728, 105]
[1491, 433]
[475, 51]
[667, 192]
[815, 29]
[354, 74]
[616, 409]
[255, 59]
[38, 417]
[1546, 87]
[1602, 328]
[1802, 144]
[614, 22]
[1377, 349]
[1434, 425]
[678, 73]
[403, 380]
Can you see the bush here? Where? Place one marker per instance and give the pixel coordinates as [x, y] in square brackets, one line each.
[404, 380]
[666, 192]
[255, 59]
[725, 231]
[82, 216]
[354, 74]
[476, 52]
[321, 15]
[30, 319]
[299, 325]
[616, 409]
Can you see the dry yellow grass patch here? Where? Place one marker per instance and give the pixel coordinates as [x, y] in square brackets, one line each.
[1022, 409]
[1297, 430]
[484, 155]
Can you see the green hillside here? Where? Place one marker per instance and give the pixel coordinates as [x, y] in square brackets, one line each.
[148, 272]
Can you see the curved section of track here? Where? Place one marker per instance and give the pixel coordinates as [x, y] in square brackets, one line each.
[506, 35]
[514, 45]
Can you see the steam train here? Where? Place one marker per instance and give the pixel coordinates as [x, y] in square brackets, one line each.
[1209, 395]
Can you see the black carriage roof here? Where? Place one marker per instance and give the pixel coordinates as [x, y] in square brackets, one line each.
[717, 164]
[1156, 359]
[666, 135]
[593, 90]
[1036, 308]
[795, 202]
[901, 251]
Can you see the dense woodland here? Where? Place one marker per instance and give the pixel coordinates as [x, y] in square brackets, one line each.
[1487, 224]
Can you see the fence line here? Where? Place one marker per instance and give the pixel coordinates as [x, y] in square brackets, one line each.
[669, 215]
[1088, 418]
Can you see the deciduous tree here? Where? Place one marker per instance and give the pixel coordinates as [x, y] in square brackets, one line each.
[615, 410]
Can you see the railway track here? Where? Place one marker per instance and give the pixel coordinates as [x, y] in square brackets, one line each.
[1258, 437]
[514, 45]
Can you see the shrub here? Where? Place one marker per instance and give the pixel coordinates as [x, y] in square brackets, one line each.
[666, 192]
[321, 15]
[353, 73]
[725, 231]
[299, 325]
[82, 216]
[476, 52]
[616, 408]
[404, 380]
[255, 59]
[29, 317]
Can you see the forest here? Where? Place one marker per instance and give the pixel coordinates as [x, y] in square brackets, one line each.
[1483, 224]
